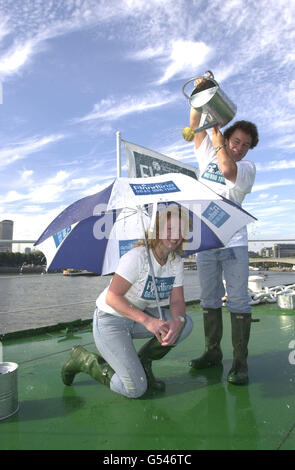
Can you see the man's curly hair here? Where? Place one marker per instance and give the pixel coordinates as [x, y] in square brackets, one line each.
[245, 126]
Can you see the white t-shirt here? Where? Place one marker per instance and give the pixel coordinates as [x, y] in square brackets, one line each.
[134, 267]
[212, 177]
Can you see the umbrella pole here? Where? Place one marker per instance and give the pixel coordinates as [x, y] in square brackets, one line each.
[152, 269]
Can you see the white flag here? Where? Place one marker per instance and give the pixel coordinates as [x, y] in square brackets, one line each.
[144, 163]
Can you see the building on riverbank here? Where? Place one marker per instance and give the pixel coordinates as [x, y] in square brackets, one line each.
[278, 250]
[6, 233]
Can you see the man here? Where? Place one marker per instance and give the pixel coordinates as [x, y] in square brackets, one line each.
[223, 169]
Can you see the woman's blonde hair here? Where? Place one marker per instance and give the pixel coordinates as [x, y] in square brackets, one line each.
[158, 232]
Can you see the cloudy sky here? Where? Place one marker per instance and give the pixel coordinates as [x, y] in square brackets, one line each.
[73, 72]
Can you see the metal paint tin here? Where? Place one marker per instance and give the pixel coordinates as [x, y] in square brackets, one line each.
[286, 301]
[8, 389]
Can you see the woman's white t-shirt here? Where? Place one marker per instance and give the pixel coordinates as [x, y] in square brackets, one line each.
[134, 267]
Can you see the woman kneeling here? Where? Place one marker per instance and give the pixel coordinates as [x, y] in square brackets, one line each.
[125, 310]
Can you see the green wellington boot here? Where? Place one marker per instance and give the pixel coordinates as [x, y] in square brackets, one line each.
[213, 333]
[151, 351]
[82, 360]
[241, 325]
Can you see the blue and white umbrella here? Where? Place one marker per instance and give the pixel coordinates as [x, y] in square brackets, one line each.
[93, 232]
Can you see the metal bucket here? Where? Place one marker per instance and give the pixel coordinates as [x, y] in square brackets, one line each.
[210, 100]
[286, 301]
[8, 389]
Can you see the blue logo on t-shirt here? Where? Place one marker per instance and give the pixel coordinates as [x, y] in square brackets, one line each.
[164, 287]
[213, 173]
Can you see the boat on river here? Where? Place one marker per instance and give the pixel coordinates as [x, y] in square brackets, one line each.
[78, 272]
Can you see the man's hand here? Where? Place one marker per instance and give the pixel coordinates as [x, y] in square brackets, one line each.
[200, 83]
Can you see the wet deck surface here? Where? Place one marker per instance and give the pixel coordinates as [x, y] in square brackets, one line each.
[198, 410]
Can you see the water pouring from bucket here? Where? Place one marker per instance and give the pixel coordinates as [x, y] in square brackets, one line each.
[209, 99]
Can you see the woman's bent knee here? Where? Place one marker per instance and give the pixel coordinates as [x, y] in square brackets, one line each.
[186, 329]
[189, 324]
[135, 390]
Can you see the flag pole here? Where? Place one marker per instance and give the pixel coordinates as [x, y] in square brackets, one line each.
[118, 140]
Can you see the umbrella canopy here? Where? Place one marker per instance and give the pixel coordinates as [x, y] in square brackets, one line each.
[95, 231]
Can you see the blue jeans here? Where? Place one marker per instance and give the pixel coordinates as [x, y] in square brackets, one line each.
[113, 336]
[233, 263]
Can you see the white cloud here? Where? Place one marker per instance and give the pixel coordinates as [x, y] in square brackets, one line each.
[25, 178]
[4, 30]
[60, 177]
[47, 191]
[97, 187]
[35, 23]
[276, 165]
[283, 182]
[12, 196]
[15, 58]
[12, 153]
[186, 56]
[34, 209]
[180, 150]
[179, 59]
[50, 190]
[263, 196]
[275, 210]
[285, 142]
[29, 225]
[78, 183]
[148, 53]
[112, 108]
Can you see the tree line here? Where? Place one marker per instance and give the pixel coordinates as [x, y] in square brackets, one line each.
[11, 259]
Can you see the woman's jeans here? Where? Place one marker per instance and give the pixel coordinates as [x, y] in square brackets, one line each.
[113, 336]
[233, 263]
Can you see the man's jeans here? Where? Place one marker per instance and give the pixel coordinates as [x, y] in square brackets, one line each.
[233, 263]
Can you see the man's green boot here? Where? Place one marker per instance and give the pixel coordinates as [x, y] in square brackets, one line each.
[152, 351]
[213, 333]
[241, 325]
[92, 364]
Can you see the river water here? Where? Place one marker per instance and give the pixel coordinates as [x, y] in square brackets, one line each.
[31, 301]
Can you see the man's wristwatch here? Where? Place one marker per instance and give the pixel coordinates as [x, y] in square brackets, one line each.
[181, 318]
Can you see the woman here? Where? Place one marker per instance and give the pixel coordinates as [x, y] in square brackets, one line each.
[126, 310]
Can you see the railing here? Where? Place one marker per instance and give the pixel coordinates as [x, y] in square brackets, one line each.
[272, 260]
[17, 241]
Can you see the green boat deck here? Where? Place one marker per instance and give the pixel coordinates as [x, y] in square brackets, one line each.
[198, 410]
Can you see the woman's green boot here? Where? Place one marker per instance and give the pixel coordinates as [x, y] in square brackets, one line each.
[92, 364]
[152, 351]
